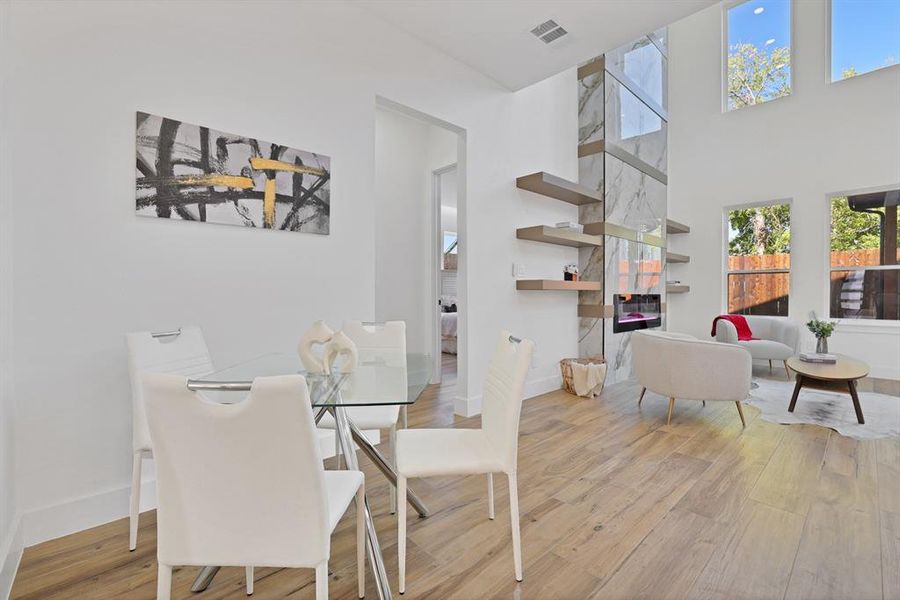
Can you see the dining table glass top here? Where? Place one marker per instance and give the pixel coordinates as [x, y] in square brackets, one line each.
[381, 377]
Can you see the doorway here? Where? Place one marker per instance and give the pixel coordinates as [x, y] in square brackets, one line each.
[446, 317]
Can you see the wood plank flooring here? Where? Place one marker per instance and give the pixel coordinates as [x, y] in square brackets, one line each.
[614, 503]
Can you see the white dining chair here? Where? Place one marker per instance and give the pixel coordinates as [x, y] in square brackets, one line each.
[376, 341]
[243, 484]
[490, 449]
[181, 352]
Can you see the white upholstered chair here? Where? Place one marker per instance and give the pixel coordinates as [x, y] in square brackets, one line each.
[491, 449]
[680, 366]
[243, 484]
[778, 338]
[385, 341]
[182, 352]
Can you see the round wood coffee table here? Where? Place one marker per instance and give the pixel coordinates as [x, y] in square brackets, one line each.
[841, 375]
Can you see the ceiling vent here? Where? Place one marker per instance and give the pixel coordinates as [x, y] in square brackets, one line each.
[548, 31]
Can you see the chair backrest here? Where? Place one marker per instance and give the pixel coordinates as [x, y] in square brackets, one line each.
[184, 353]
[237, 484]
[504, 388]
[382, 342]
[691, 369]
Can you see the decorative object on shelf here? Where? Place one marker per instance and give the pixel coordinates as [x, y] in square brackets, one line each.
[340, 345]
[583, 376]
[195, 173]
[822, 330]
[317, 335]
[570, 272]
[570, 226]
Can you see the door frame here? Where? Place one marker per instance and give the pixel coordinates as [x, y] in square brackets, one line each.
[437, 259]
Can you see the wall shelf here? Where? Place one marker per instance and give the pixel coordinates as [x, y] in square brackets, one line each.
[677, 289]
[562, 237]
[674, 227]
[552, 186]
[674, 257]
[556, 284]
[596, 311]
[625, 233]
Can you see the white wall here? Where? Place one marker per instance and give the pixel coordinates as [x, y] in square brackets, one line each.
[407, 151]
[88, 270]
[824, 138]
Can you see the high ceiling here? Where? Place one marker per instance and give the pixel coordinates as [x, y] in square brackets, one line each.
[493, 36]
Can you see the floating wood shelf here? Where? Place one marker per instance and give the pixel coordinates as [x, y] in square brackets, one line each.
[558, 188]
[625, 233]
[672, 257]
[556, 284]
[596, 311]
[673, 227]
[677, 289]
[554, 235]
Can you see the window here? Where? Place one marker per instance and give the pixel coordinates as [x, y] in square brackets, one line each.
[865, 274]
[450, 245]
[864, 36]
[758, 52]
[759, 260]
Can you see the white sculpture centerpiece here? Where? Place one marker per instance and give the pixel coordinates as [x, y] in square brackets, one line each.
[335, 346]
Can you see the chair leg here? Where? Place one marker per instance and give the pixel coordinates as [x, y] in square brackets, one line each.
[248, 575]
[514, 523]
[393, 439]
[403, 417]
[361, 540]
[322, 580]
[671, 408]
[490, 496]
[401, 532]
[135, 508]
[786, 370]
[164, 582]
[641, 398]
[770, 366]
[337, 450]
[741, 412]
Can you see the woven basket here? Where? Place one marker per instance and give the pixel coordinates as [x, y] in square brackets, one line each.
[565, 367]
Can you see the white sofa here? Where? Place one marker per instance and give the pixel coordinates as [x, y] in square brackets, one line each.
[778, 338]
[680, 366]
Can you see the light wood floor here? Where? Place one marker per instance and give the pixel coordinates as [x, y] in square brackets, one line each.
[614, 504]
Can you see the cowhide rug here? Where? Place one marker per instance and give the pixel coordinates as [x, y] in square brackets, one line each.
[828, 409]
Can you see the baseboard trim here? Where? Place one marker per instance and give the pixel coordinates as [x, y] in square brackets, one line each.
[10, 555]
[469, 407]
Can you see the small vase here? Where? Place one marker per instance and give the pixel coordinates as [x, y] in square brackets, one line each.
[822, 345]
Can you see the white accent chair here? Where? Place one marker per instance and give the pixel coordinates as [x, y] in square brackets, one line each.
[778, 338]
[491, 449]
[243, 484]
[181, 352]
[380, 341]
[676, 365]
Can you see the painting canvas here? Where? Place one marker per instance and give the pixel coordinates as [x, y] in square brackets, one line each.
[195, 173]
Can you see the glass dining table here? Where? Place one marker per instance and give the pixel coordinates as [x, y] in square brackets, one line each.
[381, 377]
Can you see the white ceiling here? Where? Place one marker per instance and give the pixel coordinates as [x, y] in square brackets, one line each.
[493, 36]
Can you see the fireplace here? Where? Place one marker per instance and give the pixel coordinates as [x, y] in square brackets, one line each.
[636, 311]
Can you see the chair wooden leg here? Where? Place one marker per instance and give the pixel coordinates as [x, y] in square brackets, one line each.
[248, 575]
[401, 532]
[514, 522]
[490, 496]
[135, 507]
[322, 580]
[403, 417]
[671, 408]
[164, 582]
[392, 434]
[641, 399]
[786, 370]
[770, 366]
[741, 412]
[361, 540]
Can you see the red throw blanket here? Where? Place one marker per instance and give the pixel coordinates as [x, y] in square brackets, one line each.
[740, 323]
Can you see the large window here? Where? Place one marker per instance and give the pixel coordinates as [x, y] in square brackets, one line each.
[865, 262]
[758, 52]
[865, 36]
[759, 260]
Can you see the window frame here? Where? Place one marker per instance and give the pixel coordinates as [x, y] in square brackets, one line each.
[723, 67]
[830, 52]
[845, 323]
[726, 271]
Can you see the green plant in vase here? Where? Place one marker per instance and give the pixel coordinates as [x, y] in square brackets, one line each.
[822, 330]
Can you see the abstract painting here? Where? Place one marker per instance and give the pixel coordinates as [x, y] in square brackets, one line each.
[195, 173]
